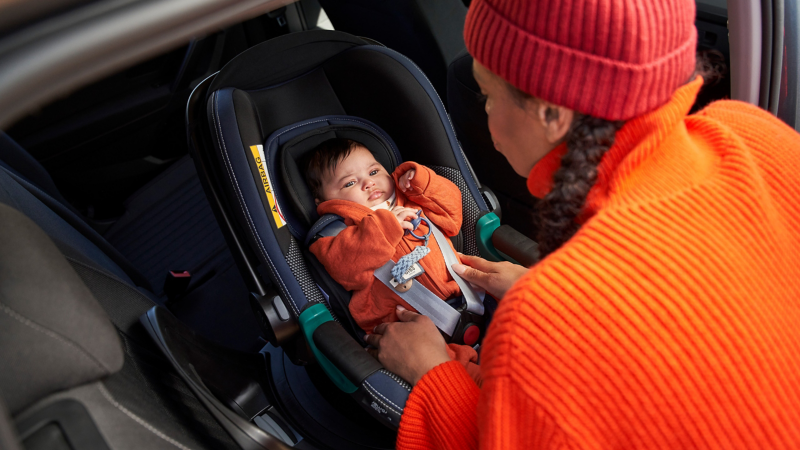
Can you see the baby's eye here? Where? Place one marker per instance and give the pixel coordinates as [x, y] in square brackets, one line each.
[374, 172]
[349, 183]
[481, 97]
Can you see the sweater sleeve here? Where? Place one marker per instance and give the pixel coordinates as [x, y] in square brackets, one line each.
[441, 412]
[438, 196]
[352, 256]
[446, 410]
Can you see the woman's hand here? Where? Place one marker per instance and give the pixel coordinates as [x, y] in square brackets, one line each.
[410, 347]
[494, 277]
[404, 214]
[405, 180]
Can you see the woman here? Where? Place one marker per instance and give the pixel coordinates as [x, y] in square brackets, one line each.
[664, 312]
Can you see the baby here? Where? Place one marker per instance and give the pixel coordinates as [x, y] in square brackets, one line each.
[377, 208]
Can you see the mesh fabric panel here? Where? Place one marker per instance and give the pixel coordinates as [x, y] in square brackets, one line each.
[471, 212]
[298, 266]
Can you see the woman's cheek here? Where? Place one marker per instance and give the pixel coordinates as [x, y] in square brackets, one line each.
[498, 131]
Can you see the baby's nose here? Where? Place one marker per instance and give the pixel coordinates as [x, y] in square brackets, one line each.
[368, 183]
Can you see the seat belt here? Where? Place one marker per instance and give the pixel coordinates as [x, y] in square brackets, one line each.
[474, 302]
[444, 316]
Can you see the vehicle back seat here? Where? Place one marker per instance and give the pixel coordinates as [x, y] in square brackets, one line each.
[137, 400]
[79, 371]
[168, 225]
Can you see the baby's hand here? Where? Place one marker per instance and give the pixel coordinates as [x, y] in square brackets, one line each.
[405, 180]
[403, 214]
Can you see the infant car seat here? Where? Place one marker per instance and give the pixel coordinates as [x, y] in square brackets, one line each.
[251, 128]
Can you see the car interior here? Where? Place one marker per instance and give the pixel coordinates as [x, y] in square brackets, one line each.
[155, 281]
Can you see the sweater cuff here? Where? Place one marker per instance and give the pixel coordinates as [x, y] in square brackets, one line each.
[441, 411]
[389, 226]
[421, 178]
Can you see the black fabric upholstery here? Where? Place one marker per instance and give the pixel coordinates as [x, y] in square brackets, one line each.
[168, 225]
[64, 226]
[8, 436]
[149, 388]
[51, 340]
[16, 158]
[384, 92]
[55, 334]
[303, 98]
[249, 123]
[123, 303]
[281, 59]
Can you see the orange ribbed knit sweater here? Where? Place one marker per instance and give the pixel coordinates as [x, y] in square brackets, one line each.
[670, 320]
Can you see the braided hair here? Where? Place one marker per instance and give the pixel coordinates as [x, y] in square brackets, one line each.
[588, 139]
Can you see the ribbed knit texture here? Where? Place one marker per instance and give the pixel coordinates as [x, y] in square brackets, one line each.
[613, 59]
[670, 320]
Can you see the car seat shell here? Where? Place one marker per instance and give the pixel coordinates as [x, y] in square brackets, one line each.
[306, 80]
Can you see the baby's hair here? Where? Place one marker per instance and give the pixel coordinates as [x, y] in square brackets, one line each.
[325, 158]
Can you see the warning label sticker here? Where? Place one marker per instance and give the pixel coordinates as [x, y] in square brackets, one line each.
[258, 156]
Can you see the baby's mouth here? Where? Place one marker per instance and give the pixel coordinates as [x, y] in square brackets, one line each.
[375, 195]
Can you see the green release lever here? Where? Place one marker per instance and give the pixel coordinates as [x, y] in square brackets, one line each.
[484, 229]
[310, 319]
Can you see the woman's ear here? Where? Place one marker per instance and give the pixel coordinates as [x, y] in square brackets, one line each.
[555, 119]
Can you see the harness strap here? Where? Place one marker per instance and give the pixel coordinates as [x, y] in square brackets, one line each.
[474, 303]
[424, 301]
[327, 226]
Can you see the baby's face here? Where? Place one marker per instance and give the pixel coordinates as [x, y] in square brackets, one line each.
[358, 178]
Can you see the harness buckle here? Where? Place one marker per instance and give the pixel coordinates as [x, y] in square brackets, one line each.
[468, 331]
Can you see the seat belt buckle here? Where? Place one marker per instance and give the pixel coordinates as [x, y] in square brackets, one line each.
[176, 282]
[469, 330]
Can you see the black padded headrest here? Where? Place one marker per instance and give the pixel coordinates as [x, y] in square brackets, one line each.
[294, 153]
[278, 60]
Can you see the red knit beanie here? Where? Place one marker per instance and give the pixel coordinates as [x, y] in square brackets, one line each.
[612, 59]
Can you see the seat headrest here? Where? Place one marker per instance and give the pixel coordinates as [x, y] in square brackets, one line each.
[289, 149]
